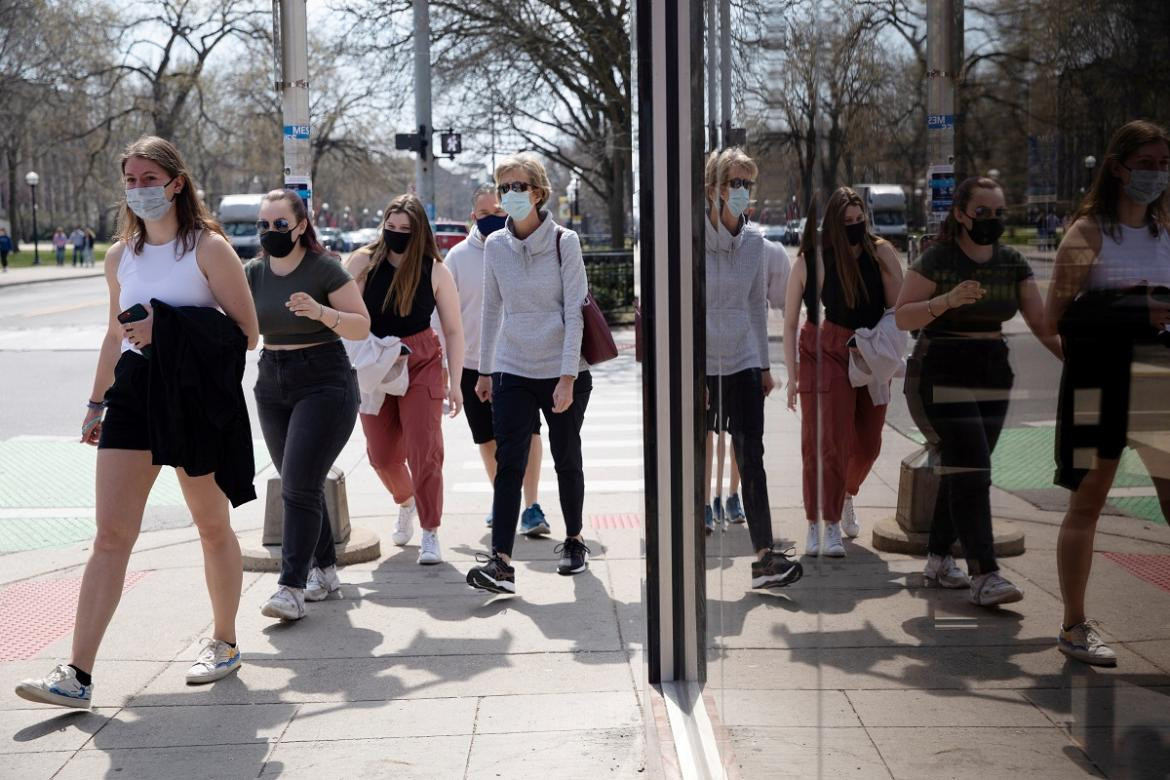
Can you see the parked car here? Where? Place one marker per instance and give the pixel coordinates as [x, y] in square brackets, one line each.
[238, 214]
[775, 233]
[793, 232]
[448, 234]
[331, 239]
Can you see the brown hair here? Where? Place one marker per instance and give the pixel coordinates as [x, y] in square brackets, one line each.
[193, 215]
[1103, 196]
[309, 238]
[951, 228]
[835, 245]
[422, 245]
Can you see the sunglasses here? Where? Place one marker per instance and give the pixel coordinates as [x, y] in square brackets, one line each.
[516, 186]
[279, 225]
[983, 212]
[747, 184]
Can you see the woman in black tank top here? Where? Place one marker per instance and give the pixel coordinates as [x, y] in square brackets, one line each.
[846, 278]
[403, 282]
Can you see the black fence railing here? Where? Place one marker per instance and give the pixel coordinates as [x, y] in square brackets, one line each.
[611, 280]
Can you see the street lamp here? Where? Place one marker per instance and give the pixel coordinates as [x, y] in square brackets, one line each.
[1090, 164]
[993, 174]
[32, 179]
[200, 194]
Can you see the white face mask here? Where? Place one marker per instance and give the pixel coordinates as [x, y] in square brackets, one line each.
[149, 203]
[737, 201]
[517, 205]
[1146, 186]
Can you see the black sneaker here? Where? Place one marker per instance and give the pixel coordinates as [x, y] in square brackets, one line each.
[574, 557]
[775, 570]
[495, 575]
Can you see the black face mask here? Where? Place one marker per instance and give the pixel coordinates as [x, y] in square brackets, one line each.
[985, 231]
[490, 224]
[396, 242]
[278, 244]
[854, 233]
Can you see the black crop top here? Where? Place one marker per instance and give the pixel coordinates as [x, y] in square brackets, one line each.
[870, 306]
[386, 321]
[946, 266]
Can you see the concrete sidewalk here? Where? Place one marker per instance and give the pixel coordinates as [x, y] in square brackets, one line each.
[48, 272]
[411, 674]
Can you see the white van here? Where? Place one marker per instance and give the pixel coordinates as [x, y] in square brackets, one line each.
[238, 215]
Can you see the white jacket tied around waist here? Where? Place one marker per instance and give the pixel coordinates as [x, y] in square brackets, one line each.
[882, 351]
[380, 364]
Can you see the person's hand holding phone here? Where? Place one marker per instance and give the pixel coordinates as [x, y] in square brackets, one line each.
[138, 326]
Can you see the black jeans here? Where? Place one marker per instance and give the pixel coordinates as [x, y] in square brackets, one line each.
[516, 403]
[308, 401]
[738, 400]
[958, 391]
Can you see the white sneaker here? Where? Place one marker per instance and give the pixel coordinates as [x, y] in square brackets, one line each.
[322, 584]
[989, 590]
[849, 522]
[834, 547]
[429, 552]
[287, 604]
[1083, 643]
[404, 526]
[944, 572]
[216, 660]
[812, 542]
[59, 687]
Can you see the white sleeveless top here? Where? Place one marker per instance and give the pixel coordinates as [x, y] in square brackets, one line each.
[158, 272]
[1137, 257]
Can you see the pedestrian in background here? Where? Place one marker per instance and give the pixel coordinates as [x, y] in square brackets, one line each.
[465, 261]
[1110, 296]
[847, 278]
[958, 294]
[77, 239]
[170, 250]
[6, 247]
[738, 367]
[403, 281]
[60, 241]
[530, 363]
[306, 391]
[90, 239]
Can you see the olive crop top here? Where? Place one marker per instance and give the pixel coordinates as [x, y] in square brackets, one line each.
[317, 275]
[946, 265]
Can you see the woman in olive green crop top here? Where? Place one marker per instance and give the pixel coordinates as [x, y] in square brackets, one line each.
[306, 392]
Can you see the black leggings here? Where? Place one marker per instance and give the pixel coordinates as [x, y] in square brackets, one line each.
[958, 391]
[738, 402]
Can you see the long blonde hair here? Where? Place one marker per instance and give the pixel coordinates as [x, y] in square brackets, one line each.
[422, 245]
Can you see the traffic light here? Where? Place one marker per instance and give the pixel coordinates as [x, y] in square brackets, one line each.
[452, 143]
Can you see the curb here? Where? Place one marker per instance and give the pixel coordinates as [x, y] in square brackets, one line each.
[23, 282]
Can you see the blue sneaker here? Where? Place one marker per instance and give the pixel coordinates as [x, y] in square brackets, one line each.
[709, 519]
[735, 509]
[717, 507]
[60, 687]
[532, 522]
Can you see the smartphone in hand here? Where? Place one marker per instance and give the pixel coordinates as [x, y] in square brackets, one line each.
[136, 313]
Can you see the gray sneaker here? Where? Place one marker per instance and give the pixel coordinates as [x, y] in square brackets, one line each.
[1083, 643]
[322, 584]
[990, 590]
[287, 604]
[216, 660]
[944, 572]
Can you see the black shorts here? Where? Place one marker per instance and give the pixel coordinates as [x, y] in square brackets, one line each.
[125, 425]
[718, 408]
[478, 413]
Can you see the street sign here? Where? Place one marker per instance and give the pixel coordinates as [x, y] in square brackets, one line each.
[942, 188]
[452, 143]
[407, 141]
[940, 121]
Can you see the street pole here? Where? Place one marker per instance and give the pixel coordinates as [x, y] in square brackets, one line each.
[941, 73]
[292, 83]
[712, 76]
[424, 171]
[33, 179]
[725, 65]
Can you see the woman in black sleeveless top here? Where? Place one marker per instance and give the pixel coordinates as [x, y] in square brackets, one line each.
[847, 285]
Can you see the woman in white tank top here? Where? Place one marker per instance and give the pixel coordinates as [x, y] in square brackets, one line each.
[1116, 252]
[169, 249]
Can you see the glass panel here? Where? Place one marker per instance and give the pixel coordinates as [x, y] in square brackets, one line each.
[880, 654]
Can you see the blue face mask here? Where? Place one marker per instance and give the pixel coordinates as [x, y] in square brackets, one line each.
[737, 201]
[517, 205]
[490, 224]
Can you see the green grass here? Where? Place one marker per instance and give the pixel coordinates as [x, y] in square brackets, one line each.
[48, 257]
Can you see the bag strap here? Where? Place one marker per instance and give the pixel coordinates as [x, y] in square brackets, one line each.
[560, 230]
